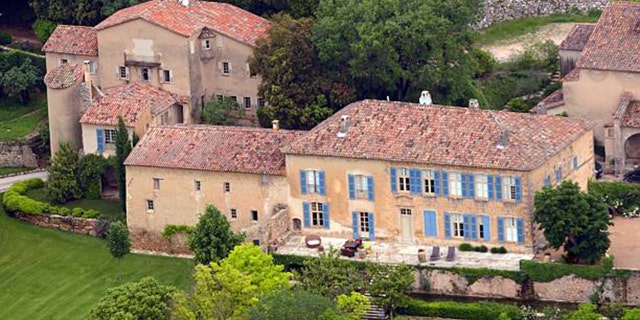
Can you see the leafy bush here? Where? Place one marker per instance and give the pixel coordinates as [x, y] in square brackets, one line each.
[459, 310]
[465, 247]
[90, 170]
[172, 229]
[91, 214]
[481, 248]
[77, 212]
[44, 29]
[14, 199]
[546, 272]
[499, 250]
[618, 195]
[5, 38]
[518, 105]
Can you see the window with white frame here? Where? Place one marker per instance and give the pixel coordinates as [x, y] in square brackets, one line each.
[457, 225]
[313, 181]
[429, 182]
[150, 205]
[509, 188]
[404, 183]
[156, 184]
[93, 67]
[167, 76]
[482, 187]
[510, 230]
[455, 184]
[261, 102]
[364, 221]
[145, 75]
[247, 102]
[123, 72]
[226, 68]
[206, 44]
[481, 230]
[234, 214]
[109, 136]
[362, 186]
[316, 214]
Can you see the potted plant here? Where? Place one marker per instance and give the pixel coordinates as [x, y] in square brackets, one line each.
[422, 256]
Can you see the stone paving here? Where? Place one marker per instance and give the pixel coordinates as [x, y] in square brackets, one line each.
[408, 253]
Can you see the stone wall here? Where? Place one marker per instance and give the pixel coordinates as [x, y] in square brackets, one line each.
[143, 240]
[89, 227]
[505, 10]
[17, 154]
[272, 231]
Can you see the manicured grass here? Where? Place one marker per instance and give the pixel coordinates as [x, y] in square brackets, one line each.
[50, 274]
[511, 29]
[10, 170]
[107, 208]
[16, 120]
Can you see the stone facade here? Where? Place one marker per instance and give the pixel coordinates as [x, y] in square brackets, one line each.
[17, 154]
[89, 227]
[504, 10]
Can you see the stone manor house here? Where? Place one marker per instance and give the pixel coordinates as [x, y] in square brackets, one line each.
[155, 63]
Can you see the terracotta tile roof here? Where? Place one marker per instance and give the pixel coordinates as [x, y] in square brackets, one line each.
[441, 135]
[224, 18]
[552, 101]
[213, 148]
[623, 104]
[73, 40]
[578, 37]
[63, 76]
[574, 75]
[631, 118]
[615, 41]
[132, 101]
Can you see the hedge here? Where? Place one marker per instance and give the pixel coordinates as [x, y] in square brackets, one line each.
[546, 272]
[459, 310]
[627, 193]
[172, 229]
[14, 200]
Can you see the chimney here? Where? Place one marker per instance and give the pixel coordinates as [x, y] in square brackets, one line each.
[474, 104]
[344, 126]
[86, 67]
[275, 124]
[425, 98]
[184, 2]
[541, 108]
[503, 140]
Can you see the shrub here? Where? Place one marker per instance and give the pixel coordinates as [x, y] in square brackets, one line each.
[481, 248]
[172, 229]
[91, 214]
[77, 212]
[5, 38]
[43, 29]
[64, 211]
[546, 272]
[620, 196]
[14, 199]
[465, 247]
[459, 310]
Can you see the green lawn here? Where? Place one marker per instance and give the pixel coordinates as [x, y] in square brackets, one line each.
[9, 170]
[108, 208]
[50, 274]
[16, 120]
[512, 29]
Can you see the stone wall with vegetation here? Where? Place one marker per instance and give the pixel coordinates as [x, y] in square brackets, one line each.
[17, 154]
[505, 10]
[91, 227]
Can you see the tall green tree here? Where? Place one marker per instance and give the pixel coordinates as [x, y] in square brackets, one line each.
[212, 239]
[329, 276]
[17, 81]
[118, 240]
[123, 149]
[353, 306]
[388, 285]
[62, 184]
[398, 48]
[221, 112]
[296, 88]
[145, 299]
[573, 220]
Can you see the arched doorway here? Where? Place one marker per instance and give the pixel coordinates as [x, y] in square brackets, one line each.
[632, 147]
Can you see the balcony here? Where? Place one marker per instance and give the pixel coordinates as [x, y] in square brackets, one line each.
[141, 61]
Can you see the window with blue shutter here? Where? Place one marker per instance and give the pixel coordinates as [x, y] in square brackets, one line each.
[518, 182]
[575, 162]
[490, 187]
[445, 184]
[430, 224]
[436, 179]
[372, 227]
[100, 140]
[306, 209]
[472, 186]
[463, 184]
[447, 225]
[547, 181]
[303, 182]
[486, 225]
[321, 183]
[501, 229]
[394, 180]
[352, 186]
[466, 227]
[498, 188]
[370, 192]
[326, 219]
[414, 180]
[473, 226]
[520, 227]
[354, 220]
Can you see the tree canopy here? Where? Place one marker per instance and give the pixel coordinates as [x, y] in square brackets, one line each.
[145, 299]
[17, 81]
[221, 112]
[574, 220]
[62, 184]
[212, 239]
[329, 275]
[123, 149]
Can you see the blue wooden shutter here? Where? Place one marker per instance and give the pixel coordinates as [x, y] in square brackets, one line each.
[547, 181]
[394, 180]
[498, 188]
[436, 182]
[307, 214]
[463, 184]
[472, 186]
[501, 229]
[321, 183]
[518, 181]
[466, 227]
[372, 227]
[370, 189]
[520, 227]
[445, 184]
[473, 227]
[414, 179]
[430, 226]
[490, 186]
[354, 220]
[326, 219]
[575, 162]
[352, 186]
[447, 225]
[303, 182]
[486, 222]
[100, 140]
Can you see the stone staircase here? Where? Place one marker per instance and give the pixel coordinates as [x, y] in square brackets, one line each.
[376, 312]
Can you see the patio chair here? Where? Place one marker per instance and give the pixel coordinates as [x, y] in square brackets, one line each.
[451, 254]
[435, 254]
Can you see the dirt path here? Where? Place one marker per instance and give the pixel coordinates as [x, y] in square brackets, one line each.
[556, 32]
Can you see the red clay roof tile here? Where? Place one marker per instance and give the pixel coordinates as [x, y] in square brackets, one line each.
[63, 76]
[73, 40]
[578, 37]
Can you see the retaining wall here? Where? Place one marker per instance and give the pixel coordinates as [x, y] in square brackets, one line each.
[505, 10]
[69, 223]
